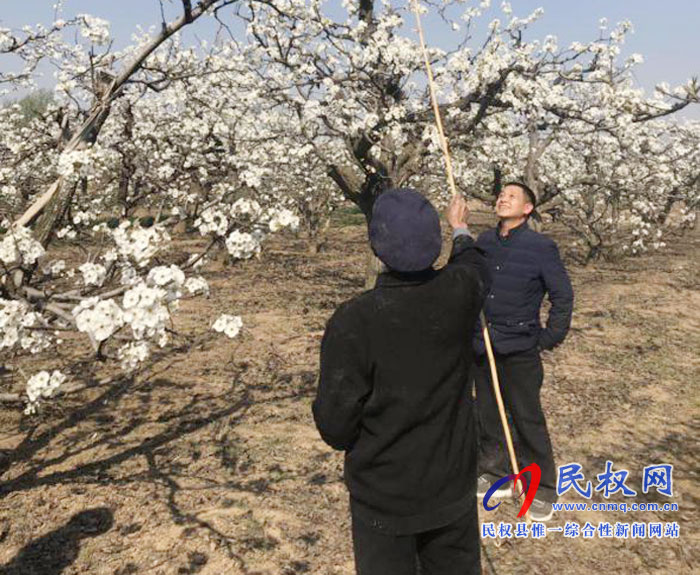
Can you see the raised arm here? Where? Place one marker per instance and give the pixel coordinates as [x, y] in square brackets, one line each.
[464, 249]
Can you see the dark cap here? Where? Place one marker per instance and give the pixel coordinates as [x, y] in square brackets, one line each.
[404, 231]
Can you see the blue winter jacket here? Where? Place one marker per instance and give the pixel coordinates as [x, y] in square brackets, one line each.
[524, 265]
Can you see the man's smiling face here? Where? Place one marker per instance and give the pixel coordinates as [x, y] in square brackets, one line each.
[513, 202]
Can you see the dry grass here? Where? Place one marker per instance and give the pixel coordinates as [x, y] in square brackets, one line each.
[212, 464]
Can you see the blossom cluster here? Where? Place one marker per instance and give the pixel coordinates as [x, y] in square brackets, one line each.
[228, 324]
[93, 274]
[98, 318]
[237, 140]
[21, 328]
[221, 221]
[18, 246]
[42, 385]
[139, 244]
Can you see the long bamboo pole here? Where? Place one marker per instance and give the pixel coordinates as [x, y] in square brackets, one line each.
[453, 189]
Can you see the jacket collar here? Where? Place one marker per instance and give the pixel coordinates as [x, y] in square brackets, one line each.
[393, 278]
[512, 233]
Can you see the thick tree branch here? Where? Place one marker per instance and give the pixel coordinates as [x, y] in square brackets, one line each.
[91, 126]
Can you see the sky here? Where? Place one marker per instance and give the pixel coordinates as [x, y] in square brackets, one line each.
[665, 33]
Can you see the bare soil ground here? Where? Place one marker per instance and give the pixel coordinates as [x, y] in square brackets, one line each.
[211, 463]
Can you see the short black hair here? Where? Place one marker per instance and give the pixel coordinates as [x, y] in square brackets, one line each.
[525, 188]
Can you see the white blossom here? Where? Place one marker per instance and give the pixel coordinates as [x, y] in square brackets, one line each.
[243, 136]
[98, 318]
[132, 354]
[19, 246]
[145, 311]
[246, 206]
[229, 325]
[164, 275]
[283, 218]
[198, 284]
[242, 245]
[55, 267]
[137, 243]
[212, 221]
[71, 162]
[95, 29]
[22, 328]
[93, 274]
[42, 385]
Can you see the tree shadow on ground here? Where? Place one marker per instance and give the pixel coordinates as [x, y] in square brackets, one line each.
[50, 554]
[200, 411]
[97, 427]
[676, 447]
[34, 440]
[39, 435]
[187, 420]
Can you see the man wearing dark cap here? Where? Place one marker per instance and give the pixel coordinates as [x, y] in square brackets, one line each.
[394, 394]
[524, 266]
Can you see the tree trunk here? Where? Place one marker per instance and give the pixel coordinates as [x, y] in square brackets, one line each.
[54, 199]
[317, 235]
[373, 268]
[535, 224]
[54, 212]
[314, 245]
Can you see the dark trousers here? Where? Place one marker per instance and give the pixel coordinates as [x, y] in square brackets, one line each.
[450, 550]
[520, 375]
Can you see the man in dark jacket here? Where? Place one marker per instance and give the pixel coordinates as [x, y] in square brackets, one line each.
[394, 394]
[524, 266]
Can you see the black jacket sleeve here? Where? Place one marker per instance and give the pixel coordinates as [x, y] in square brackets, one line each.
[344, 382]
[466, 253]
[560, 294]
